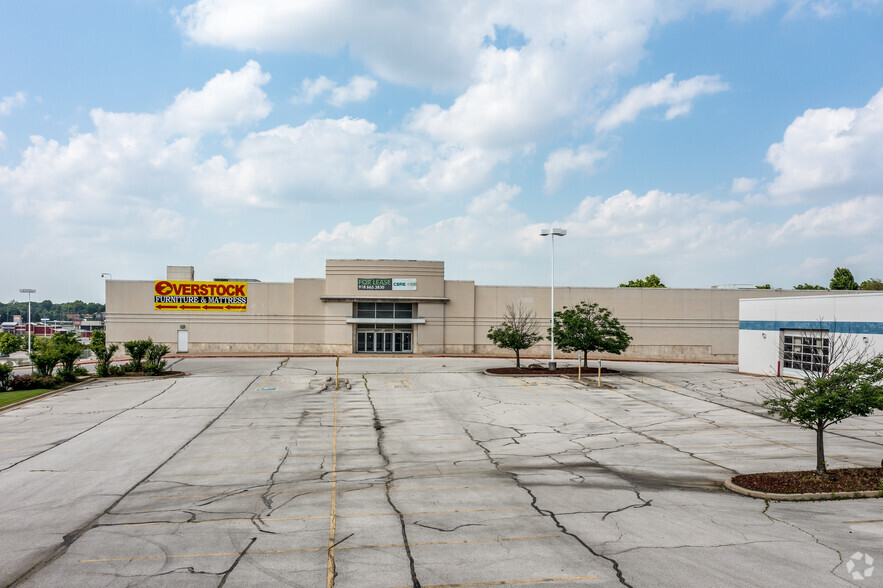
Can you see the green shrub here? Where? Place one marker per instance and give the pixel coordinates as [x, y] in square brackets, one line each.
[32, 382]
[155, 364]
[104, 356]
[5, 376]
[98, 341]
[137, 350]
[44, 356]
[80, 371]
[69, 350]
[116, 371]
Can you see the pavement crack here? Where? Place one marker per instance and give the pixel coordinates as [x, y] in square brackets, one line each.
[419, 524]
[547, 513]
[378, 427]
[70, 538]
[236, 562]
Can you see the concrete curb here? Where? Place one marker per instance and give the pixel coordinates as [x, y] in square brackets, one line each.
[49, 394]
[89, 380]
[731, 486]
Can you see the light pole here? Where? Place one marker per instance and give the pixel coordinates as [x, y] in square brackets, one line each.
[553, 232]
[29, 291]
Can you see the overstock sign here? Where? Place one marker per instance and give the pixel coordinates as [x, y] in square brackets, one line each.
[200, 296]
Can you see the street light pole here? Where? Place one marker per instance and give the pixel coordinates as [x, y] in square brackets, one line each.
[29, 291]
[553, 232]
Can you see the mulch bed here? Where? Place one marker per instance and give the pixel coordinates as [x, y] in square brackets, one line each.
[841, 480]
[542, 370]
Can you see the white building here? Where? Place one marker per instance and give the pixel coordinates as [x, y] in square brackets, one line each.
[790, 336]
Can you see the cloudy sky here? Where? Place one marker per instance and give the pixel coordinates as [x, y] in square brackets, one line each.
[707, 141]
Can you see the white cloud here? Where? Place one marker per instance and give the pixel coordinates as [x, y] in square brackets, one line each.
[2, 140]
[855, 217]
[562, 161]
[312, 89]
[677, 96]
[229, 99]
[742, 185]
[358, 89]
[9, 103]
[831, 152]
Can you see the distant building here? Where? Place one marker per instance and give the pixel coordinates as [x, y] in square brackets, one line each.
[792, 335]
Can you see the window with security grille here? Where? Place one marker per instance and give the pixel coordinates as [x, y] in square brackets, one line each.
[807, 352]
[384, 310]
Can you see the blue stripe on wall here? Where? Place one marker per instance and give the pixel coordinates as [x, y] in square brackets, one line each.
[859, 328]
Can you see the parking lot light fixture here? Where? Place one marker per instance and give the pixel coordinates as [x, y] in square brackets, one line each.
[553, 232]
[29, 291]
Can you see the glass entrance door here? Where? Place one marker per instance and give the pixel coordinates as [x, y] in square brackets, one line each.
[383, 340]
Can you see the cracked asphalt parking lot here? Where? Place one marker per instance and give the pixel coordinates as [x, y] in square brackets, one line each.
[427, 472]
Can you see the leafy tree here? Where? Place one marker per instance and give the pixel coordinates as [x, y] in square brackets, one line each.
[98, 340]
[589, 327]
[823, 399]
[809, 287]
[871, 284]
[69, 350]
[651, 281]
[5, 376]
[764, 287]
[10, 343]
[519, 330]
[843, 280]
[137, 350]
[44, 356]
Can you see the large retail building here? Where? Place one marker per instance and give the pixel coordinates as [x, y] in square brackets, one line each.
[404, 307]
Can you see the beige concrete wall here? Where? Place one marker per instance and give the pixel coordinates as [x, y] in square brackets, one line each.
[665, 323]
[309, 315]
[341, 277]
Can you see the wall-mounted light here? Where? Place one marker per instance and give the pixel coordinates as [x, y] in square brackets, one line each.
[763, 335]
[183, 327]
[865, 339]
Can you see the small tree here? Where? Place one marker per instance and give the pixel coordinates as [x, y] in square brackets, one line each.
[519, 330]
[44, 356]
[651, 281]
[821, 400]
[5, 376]
[103, 353]
[137, 350]
[764, 287]
[839, 379]
[589, 327]
[155, 364]
[10, 343]
[843, 280]
[871, 284]
[69, 349]
[809, 287]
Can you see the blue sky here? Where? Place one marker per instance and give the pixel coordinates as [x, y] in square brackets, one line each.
[709, 142]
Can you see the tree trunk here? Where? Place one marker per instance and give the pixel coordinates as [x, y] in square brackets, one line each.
[820, 449]
[517, 359]
[585, 360]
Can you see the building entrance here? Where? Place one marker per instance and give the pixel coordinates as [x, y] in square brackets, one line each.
[383, 340]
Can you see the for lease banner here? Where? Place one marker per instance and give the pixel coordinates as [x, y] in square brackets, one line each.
[200, 296]
[386, 283]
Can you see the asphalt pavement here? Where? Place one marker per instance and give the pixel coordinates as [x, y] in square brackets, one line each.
[252, 472]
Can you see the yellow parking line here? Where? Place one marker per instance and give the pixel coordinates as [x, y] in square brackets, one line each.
[508, 582]
[339, 516]
[330, 579]
[307, 549]
[429, 489]
[299, 472]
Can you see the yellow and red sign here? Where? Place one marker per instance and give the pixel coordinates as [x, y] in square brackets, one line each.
[200, 296]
